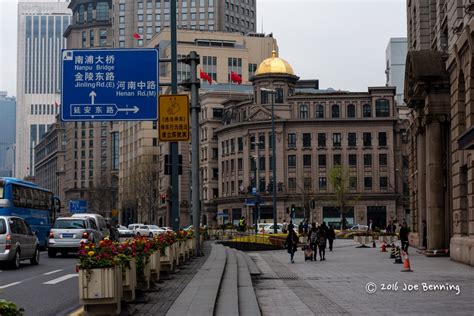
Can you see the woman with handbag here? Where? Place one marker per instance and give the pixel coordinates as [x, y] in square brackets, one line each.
[291, 244]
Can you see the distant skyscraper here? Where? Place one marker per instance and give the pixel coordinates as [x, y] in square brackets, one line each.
[7, 134]
[40, 39]
[396, 55]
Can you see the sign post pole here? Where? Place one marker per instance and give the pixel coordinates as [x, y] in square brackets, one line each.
[193, 59]
[174, 150]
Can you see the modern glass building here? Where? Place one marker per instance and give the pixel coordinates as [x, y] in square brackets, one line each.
[7, 134]
[40, 39]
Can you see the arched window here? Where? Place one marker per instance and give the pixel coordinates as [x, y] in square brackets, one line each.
[81, 14]
[351, 112]
[319, 111]
[102, 11]
[367, 111]
[89, 13]
[335, 111]
[303, 111]
[382, 108]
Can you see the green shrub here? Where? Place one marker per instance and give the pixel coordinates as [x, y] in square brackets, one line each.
[8, 308]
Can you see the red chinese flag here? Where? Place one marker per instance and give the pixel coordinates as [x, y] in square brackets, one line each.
[205, 76]
[235, 77]
[136, 36]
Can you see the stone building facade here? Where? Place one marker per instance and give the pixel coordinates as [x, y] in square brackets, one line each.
[438, 90]
[315, 130]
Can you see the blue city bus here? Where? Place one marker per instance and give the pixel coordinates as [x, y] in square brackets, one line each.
[37, 206]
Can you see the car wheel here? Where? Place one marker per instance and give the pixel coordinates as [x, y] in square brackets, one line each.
[35, 260]
[15, 263]
[150, 235]
[51, 253]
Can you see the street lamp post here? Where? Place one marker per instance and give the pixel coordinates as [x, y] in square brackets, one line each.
[273, 92]
[256, 178]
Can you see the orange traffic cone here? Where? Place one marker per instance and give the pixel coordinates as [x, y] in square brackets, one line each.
[383, 248]
[406, 264]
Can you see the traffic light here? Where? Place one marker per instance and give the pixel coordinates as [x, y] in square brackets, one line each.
[163, 198]
[293, 211]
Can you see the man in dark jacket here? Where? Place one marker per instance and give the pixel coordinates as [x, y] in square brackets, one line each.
[404, 237]
[291, 244]
[313, 240]
[331, 236]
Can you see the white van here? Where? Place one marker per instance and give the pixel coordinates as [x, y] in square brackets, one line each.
[99, 220]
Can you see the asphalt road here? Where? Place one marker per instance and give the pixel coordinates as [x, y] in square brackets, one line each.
[50, 288]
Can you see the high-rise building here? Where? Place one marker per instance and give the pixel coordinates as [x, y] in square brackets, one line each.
[40, 39]
[7, 134]
[395, 57]
[147, 17]
[439, 75]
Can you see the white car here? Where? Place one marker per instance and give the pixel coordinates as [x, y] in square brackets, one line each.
[359, 227]
[268, 229]
[168, 229]
[149, 230]
[125, 232]
[134, 226]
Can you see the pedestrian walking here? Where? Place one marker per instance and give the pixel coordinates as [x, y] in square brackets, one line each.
[300, 228]
[306, 227]
[291, 244]
[404, 237]
[331, 236]
[322, 243]
[284, 227]
[313, 240]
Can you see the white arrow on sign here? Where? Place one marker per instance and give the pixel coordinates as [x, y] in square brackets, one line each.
[135, 109]
[92, 95]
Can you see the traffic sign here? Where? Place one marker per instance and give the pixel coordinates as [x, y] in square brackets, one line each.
[77, 206]
[174, 117]
[109, 84]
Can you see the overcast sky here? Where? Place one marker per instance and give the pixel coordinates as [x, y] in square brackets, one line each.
[340, 42]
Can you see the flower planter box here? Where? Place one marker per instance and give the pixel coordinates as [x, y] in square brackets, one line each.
[363, 239]
[100, 290]
[176, 253]
[129, 281]
[143, 283]
[166, 259]
[155, 266]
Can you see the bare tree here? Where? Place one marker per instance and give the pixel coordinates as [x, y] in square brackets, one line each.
[340, 195]
[143, 188]
[305, 195]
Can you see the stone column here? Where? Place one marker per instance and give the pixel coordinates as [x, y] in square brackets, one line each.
[435, 191]
[421, 179]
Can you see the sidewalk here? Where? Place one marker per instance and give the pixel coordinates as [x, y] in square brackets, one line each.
[338, 285]
[160, 301]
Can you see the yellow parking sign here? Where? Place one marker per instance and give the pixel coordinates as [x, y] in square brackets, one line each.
[173, 123]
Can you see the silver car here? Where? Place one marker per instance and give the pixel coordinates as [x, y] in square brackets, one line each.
[68, 233]
[17, 242]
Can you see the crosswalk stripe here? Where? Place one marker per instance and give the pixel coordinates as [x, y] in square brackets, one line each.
[61, 279]
[51, 272]
[8, 285]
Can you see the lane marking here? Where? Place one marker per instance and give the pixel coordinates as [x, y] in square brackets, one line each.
[51, 272]
[61, 279]
[8, 285]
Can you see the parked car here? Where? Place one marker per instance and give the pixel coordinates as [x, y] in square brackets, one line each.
[359, 227]
[68, 233]
[17, 242]
[149, 230]
[134, 226]
[125, 232]
[99, 221]
[168, 229]
[268, 229]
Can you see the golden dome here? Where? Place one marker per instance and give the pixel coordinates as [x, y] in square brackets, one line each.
[274, 65]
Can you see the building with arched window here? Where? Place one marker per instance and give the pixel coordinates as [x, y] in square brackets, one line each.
[316, 132]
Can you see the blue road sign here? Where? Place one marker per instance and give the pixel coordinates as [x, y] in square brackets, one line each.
[109, 85]
[77, 206]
